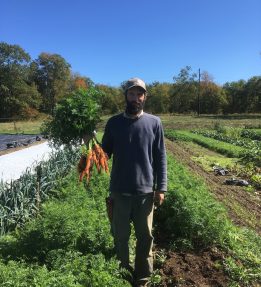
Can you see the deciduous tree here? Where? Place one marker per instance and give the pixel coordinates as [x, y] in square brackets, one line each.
[17, 92]
[52, 75]
[184, 91]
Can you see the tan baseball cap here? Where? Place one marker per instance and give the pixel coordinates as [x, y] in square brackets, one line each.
[135, 82]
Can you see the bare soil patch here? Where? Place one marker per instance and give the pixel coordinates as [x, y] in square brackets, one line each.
[202, 268]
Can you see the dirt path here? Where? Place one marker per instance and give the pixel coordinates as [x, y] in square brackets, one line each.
[244, 208]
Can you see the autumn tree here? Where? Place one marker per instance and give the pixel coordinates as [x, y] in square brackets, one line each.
[79, 82]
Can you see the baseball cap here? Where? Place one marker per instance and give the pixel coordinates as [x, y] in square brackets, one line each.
[135, 82]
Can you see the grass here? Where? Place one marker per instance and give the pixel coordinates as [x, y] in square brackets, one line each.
[169, 121]
[188, 122]
[21, 127]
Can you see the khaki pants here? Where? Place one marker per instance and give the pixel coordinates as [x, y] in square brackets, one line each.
[139, 210]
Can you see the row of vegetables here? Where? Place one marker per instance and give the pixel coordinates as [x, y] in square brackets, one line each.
[20, 199]
[69, 242]
[245, 142]
[247, 150]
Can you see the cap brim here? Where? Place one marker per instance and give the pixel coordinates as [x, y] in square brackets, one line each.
[136, 86]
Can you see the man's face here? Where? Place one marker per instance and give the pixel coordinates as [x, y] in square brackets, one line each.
[135, 100]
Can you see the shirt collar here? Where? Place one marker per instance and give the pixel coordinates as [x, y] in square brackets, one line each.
[134, 116]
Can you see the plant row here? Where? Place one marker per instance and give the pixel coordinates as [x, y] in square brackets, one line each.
[254, 134]
[192, 218]
[212, 144]
[67, 245]
[252, 148]
[20, 199]
[235, 140]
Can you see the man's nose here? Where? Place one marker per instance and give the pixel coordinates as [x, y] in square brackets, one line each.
[135, 98]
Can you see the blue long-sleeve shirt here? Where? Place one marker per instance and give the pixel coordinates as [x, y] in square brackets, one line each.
[139, 155]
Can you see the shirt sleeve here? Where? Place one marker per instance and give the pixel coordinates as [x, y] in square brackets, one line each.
[160, 160]
[107, 142]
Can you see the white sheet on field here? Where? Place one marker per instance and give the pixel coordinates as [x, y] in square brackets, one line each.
[14, 164]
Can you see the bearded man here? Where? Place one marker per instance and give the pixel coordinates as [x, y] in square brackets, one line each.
[135, 141]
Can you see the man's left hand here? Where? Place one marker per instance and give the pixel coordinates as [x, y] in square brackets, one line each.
[159, 197]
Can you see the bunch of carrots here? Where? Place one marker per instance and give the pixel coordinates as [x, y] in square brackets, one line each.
[93, 156]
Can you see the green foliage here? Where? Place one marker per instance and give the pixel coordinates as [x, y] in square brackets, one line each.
[71, 245]
[52, 74]
[229, 135]
[254, 134]
[183, 218]
[158, 97]
[190, 215]
[20, 199]
[212, 144]
[75, 222]
[74, 116]
[112, 99]
[252, 156]
[17, 91]
[183, 95]
[68, 244]
[65, 269]
[256, 180]
[212, 98]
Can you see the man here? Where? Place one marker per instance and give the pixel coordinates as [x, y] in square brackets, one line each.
[135, 141]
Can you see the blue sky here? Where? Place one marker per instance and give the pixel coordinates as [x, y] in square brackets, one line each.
[113, 40]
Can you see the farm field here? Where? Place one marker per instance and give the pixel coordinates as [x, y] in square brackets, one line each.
[21, 127]
[244, 207]
[201, 150]
[235, 147]
[206, 233]
[208, 121]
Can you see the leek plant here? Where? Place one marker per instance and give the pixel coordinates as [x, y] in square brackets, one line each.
[20, 199]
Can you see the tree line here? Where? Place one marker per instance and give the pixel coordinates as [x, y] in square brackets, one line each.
[32, 86]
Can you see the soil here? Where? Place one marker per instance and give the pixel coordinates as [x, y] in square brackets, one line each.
[203, 268]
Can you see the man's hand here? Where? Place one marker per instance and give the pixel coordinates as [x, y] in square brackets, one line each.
[159, 198]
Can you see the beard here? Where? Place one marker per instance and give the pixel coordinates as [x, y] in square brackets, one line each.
[134, 108]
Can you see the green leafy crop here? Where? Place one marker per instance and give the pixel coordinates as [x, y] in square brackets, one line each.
[74, 116]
